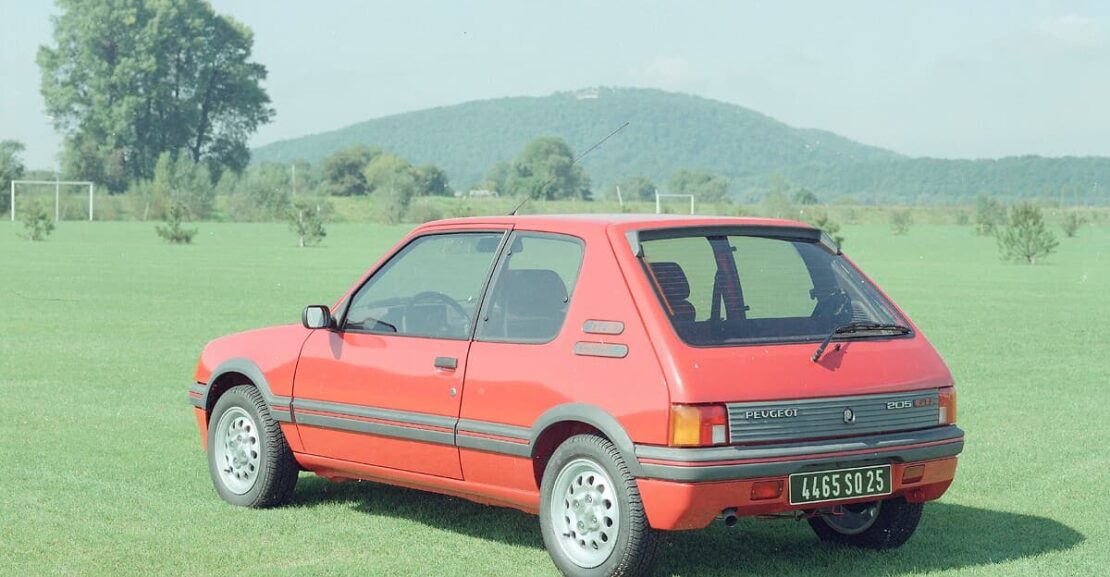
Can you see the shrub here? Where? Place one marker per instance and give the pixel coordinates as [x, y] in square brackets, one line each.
[37, 224]
[420, 212]
[1025, 237]
[306, 218]
[900, 221]
[821, 220]
[1071, 225]
[173, 232]
[989, 214]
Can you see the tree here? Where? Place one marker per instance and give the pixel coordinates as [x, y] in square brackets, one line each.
[900, 221]
[11, 168]
[392, 184]
[821, 220]
[261, 193]
[307, 220]
[496, 176]
[704, 186]
[805, 197]
[1025, 237]
[127, 80]
[1072, 222]
[173, 232]
[343, 171]
[545, 168]
[637, 188]
[36, 221]
[431, 181]
[989, 214]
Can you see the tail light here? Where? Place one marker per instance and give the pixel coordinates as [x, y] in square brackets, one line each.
[948, 406]
[699, 425]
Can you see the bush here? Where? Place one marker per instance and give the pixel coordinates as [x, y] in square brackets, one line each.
[821, 220]
[1025, 237]
[37, 224]
[173, 232]
[989, 214]
[900, 221]
[1071, 225]
[306, 218]
[420, 212]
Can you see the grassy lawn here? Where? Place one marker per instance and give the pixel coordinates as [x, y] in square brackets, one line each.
[101, 470]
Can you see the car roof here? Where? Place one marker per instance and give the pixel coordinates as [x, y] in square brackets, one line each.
[557, 222]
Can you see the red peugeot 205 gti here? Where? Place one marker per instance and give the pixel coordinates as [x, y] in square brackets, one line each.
[621, 376]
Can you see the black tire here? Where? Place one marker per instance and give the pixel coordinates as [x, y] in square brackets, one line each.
[636, 546]
[893, 525]
[277, 470]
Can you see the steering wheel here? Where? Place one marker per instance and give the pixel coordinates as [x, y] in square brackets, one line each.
[438, 297]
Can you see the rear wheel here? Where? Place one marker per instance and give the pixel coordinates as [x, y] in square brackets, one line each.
[875, 525]
[591, 516]
[250, 462]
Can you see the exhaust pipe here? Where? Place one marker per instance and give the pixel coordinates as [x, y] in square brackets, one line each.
[729, 517]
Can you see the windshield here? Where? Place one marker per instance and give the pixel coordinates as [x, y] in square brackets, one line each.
[739, 289]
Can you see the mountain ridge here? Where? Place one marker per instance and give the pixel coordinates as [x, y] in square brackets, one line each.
[670, 130]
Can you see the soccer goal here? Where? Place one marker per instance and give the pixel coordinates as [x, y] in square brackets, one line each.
[57, 186]
[659, 201]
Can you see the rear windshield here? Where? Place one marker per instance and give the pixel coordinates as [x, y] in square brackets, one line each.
[739, 289]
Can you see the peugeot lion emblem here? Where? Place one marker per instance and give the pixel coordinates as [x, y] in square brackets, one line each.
[849, 415]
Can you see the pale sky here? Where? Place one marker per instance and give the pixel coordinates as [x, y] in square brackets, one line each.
[950, 78]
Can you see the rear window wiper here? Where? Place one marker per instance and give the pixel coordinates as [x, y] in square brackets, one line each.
[857, 327]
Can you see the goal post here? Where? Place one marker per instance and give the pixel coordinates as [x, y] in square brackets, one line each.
[659, 201]
[57, 184]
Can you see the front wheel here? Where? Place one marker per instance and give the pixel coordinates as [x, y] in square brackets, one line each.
[591, 516]
[250, 462]
[875, 525]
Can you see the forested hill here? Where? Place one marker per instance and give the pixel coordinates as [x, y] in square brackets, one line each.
[666, 131]
[669, 131]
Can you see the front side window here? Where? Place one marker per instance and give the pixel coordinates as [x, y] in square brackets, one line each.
[736, 289]
[531, 290]
[430, 288]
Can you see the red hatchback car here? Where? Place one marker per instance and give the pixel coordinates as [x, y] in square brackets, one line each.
[619, 375]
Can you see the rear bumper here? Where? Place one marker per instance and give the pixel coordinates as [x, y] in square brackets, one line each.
[688, 488]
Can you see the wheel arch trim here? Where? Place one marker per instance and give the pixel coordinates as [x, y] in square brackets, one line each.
[595, 417]
[279, 405]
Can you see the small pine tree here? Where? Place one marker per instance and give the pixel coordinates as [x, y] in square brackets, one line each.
[822, 221]
[307, 220]
[1071, 225]
[900, 221]
[989, 214]
[173, 232]
[1025, 237]
[36, 222]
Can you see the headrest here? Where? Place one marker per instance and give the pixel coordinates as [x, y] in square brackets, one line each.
[672, 280]
[536, 289]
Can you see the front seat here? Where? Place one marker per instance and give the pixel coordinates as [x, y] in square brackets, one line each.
[676, 289]
[535, 303]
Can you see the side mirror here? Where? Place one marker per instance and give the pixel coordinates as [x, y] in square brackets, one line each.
[317, 317]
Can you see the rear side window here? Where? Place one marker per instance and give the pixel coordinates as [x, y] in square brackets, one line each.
[531, 290]
[737, 289]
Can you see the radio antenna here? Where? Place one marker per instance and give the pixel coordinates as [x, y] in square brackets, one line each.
[572, 163]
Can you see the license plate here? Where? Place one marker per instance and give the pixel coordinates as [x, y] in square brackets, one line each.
[840, 484]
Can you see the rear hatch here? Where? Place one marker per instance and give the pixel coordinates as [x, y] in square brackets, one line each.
[777, 324]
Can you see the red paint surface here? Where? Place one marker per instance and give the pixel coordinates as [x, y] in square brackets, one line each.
[514, 384]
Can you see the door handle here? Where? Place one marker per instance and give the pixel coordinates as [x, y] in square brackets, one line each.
[447, 363]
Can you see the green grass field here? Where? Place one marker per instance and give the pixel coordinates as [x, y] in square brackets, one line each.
[101, 470]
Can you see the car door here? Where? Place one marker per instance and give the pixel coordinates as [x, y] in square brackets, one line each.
[384, 388]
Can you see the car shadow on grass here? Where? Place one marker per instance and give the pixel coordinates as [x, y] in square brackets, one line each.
[949, 537]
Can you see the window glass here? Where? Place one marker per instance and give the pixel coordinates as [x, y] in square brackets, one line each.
[431, 288]
[531, 290]
[732, 289]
